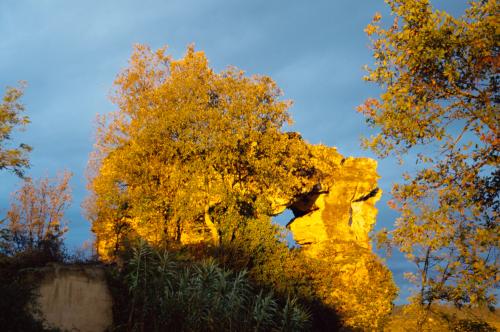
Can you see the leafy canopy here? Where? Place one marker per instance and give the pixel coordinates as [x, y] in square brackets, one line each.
[35, 219]
[13, 159]
[439, 76]
[190, 150]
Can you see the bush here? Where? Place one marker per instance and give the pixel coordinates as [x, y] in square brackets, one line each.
[467, 325]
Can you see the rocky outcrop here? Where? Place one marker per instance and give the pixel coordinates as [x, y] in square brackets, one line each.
[341, 209]
[332, 224]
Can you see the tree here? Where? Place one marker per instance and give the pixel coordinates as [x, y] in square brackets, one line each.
[191, 150]
[13, 159]
[35, 220]
[31, 238]
[439, 105]
[199, 161]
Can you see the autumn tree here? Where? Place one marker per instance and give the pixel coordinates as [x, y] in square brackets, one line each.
[439, 106]
[35, 219]
[11, 118]
[198, 160]
[190, 150]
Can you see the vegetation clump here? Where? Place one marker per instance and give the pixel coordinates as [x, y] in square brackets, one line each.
[13, 159]
[168, 293]
[439, 109]
[31, 236]
[198, 160]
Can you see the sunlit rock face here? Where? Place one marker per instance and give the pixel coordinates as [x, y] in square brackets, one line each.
[332, 224]
[341, 209]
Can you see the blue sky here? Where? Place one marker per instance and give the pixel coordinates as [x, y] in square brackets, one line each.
[69, 52]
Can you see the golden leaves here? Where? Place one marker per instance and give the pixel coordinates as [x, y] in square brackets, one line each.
[186, 140]
[11, 118]
[37, 209]
[439, 85]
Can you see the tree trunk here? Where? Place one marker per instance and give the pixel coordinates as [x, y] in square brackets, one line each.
[211, 226]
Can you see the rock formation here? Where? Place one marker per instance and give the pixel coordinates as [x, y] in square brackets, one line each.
[333, 200]
[341, 209]
[332, 224]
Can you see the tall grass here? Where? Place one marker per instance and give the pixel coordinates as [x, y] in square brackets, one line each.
[167, 294]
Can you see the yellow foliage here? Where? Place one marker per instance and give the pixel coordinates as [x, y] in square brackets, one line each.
[439, 75]
[188, 143]
[193, 156]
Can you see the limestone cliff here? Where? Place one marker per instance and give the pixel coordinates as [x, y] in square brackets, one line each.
[341, 209]
[333, 200]
[332, 224]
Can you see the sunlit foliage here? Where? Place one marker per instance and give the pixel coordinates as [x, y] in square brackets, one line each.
[358, 284]
[36, 216]
[31, 236]
[198, 162]
[11, 118]
[444, 318]
[189, 151]
[439, 76]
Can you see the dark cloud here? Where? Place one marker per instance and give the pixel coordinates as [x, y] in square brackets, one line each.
[70, 53]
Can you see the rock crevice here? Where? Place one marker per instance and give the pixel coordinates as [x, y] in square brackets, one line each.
[343, 210]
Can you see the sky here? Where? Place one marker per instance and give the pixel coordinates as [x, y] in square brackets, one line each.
[69, 53]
